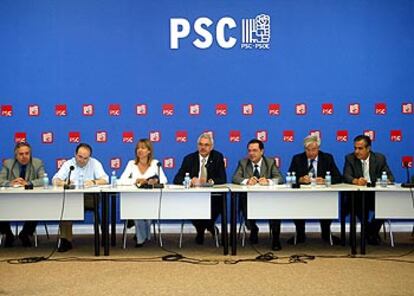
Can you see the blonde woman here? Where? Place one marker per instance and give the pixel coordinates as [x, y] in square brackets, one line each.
[143, 170]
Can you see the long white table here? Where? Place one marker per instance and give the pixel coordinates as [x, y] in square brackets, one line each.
[281, 202]
[53, 204]
[173, 202]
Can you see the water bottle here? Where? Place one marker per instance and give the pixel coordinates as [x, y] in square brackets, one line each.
[328, 179]
[187, 181]
[81, 182]
[288, 180]
[384, 179]
[293, 178]
[45, 181]
[114, 181]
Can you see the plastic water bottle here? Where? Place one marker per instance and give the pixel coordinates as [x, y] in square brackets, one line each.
[293, 178]
[114, 180]
[328, 179]
[187, 181]
[288, 180]
[384, 179]
[81, 181]
[45, 181]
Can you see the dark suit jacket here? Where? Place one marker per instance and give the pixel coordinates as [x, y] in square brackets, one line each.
[326, 162]
[11, 170]
[377, 164]
[268, 169]
[191, 164]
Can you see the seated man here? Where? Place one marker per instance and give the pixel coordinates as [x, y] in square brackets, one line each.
[19, 171]
[93, 174]
[362, 167]
[257, 169]
[315, 163]
[206, 165]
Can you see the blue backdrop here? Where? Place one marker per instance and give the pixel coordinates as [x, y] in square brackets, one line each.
[339, 52]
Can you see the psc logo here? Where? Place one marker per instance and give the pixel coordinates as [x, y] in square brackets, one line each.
[255, 33]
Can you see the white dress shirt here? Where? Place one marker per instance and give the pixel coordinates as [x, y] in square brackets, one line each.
[132, 173]
[93, 170]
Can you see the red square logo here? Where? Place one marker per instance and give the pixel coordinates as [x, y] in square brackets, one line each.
[396, 136]
[327, 109]
[407, 108]
[101, 136]
[342, 136]
[34, 110]
[47, 137]
[168, 109]
[181, 136]
[155, 136]
[277, 161]
[274, 109]
[74, 137]
[235, 136]
[261, 135]
[370, 134]
[194, 109]
[115, 163]
[61, 110]
[221, 109]
[141, 109]
[60, 162]
[247, 109]
[20, 137]
[316, 133]
[7, 110]
[169, 162]
[114, 110]
[300, 109]
[225, 162]
[288, 136]
[407, 161]
[128, 137]
[354, 109]
[380, 109]
[88, 110]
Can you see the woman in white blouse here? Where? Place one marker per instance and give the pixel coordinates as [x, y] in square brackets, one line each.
[143, 170]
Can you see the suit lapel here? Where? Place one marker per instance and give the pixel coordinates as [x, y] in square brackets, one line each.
[16, 170]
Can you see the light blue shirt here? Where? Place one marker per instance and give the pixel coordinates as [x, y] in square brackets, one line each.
[93, 170]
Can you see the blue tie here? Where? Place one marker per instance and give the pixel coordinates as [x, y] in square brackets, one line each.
[23, 171]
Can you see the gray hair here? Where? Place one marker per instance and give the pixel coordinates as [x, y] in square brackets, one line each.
[206, 136]
[311, 139]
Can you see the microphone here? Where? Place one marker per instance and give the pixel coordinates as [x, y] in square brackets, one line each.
[159, 185]
[67, 185]
[408, 184]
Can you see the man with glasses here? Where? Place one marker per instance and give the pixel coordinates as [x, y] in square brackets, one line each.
[92, 172]
[258, 170]
[205, 166]
[20, 171]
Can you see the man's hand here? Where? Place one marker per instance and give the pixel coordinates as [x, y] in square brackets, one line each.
[252, 181]
[19, 182]
[263, 181]
[360, 182]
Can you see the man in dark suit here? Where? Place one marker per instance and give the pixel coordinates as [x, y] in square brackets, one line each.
[20, 171]
[361, 168]
[204, 166]
[257, 169]
[313, 163]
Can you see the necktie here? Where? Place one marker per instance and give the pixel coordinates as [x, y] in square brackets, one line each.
[311, 169]
[23, 172]
[203, 173]
[256, 171]
[365, 170]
